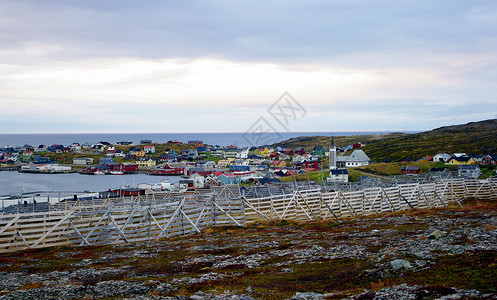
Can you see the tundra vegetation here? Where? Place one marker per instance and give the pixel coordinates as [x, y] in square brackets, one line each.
[425, 253]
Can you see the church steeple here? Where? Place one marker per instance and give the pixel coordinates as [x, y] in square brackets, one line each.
[333, 154]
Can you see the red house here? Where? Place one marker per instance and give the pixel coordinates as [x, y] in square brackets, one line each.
[308, 165]
[489, 160]
[111, 150]
[300, 151]
[126, 168]
[410, 170]
[288, 152]
[169, 169]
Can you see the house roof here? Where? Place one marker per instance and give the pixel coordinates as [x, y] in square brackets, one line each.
[219, 173]
[197, 169]
[145, 159]
[468, 167]
[443, 155]
[229, 175]
[356, 156]
[339, 171]
[461, 158]
[410, 168]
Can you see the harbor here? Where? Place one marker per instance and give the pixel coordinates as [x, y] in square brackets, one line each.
[13, 183]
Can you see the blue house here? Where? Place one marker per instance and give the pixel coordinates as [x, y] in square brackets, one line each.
[106, 160]
[239, 168]
[229, 179]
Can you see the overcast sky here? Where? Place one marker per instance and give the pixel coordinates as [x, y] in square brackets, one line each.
[218, 66]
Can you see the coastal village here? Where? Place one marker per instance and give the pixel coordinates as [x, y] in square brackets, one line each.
[202, 166]
[241, 226]
[248, 150]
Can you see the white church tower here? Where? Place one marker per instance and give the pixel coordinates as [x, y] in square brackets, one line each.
[333, 154]
[336, 174]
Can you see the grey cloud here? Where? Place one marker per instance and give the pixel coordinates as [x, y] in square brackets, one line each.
[284, 31]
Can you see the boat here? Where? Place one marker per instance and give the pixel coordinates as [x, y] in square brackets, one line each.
[115, 172]
[98, 172]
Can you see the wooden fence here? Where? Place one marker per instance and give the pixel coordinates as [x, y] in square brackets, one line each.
[151, 217]
[314, 204]
[130, 220]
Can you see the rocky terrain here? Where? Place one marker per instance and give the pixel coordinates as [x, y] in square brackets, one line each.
[421, 254]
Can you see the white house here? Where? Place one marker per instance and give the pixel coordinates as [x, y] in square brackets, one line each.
[82, 161]
[357, 159]
[119, 153]
[441, 157]
[75, 147]
[243, 154]
[338, 175]
[149, 149]
[41, 148]
[469, 171]
[206, 164]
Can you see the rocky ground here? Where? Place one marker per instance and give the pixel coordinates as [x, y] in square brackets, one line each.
[421, 254]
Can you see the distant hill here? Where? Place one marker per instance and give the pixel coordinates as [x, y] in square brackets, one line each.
[309, 142]
[472, 138]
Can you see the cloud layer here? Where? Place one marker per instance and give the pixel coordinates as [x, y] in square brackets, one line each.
[162, 66]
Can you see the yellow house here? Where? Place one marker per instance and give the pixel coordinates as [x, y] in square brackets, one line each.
[266, 151]
[139, 153]
[278, 164]
[223, 163]
[462, 160]
[146, 162]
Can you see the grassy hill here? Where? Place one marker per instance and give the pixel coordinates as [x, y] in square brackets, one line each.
[472, 138]
[309, 142]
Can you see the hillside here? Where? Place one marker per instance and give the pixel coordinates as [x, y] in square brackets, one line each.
[472, 138]
[309, 142]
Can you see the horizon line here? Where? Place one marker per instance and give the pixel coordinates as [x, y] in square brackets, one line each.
[213, 132]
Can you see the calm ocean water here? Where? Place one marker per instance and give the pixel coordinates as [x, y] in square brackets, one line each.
[239, 139]
[13, 182]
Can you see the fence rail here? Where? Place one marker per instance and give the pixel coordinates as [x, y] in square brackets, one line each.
[151, 217]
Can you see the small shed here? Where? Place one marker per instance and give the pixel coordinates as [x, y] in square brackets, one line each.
[469, 171]
[410, 170]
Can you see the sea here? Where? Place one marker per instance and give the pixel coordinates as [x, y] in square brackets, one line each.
[14, 182]
[239, 139]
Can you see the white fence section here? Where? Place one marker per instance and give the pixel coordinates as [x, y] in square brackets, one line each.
[130, 220]
[151, 217]
[315, 204]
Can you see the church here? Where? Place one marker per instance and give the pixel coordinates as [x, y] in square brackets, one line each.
[336, 174]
